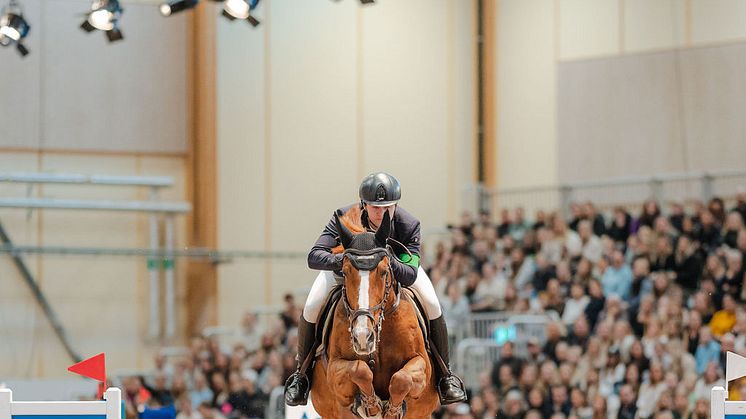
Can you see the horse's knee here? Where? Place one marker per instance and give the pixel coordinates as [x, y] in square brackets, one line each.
[360, 373]
[401, 383]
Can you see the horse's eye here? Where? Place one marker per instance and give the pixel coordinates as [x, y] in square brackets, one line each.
[384, 273]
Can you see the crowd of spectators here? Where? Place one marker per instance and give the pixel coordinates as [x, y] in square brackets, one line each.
[646, 307]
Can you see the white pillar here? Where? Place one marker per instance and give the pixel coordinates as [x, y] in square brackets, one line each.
[113, 397]
[6, 397]
[717, 403]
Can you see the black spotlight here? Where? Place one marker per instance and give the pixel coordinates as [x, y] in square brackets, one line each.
[104, 16]
[176, 6]
[367, 1]
[241, 9]
[13, 28]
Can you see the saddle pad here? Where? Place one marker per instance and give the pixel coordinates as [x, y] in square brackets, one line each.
[326, 319]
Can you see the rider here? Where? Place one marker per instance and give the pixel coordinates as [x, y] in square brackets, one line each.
[379, 192]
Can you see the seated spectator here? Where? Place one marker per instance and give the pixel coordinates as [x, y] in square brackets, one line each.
[662, 258]
[723, 320]
[513, 408]
[712, 377]
[490, 290]
[641, 282]
[503, 227]
[619, 228]
[597, 220]
[701, 409]
[708, 350]
[650, 391]
[519, 227]
[575, 306]
[208, 412]
[676, 216]
[709, 232]
[506, 358]
[201, 392]
[617, 280]
[687, 264]
[627, 403]
[650, 211]
[732, 282]
[592, 248]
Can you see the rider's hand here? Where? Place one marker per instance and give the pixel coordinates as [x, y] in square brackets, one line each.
[338, 261]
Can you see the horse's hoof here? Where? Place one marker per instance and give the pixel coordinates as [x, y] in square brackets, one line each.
[395, 412]
[367, 407]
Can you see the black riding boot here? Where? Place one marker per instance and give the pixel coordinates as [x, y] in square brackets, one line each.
[298, 384]
[450, 387]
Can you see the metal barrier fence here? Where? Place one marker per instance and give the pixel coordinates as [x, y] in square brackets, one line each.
[475, 357]
[628, 192]
[477, 354]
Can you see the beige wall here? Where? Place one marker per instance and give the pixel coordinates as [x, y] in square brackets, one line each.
[77, 104]
[101, 301]
[317, 97]
[535, 36]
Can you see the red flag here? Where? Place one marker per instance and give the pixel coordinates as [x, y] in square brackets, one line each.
[93, 367]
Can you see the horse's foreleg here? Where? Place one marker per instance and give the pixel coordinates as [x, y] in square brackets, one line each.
[349, 377]
[408, 381]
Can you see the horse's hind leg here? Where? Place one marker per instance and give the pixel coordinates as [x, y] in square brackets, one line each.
[349, 377]
[408, 381]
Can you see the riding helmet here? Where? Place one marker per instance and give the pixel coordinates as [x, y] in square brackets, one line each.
[380, 189]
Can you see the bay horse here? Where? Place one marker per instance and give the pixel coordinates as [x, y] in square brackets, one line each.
[376, 364]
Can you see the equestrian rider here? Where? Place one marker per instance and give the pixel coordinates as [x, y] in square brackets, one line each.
[379, 192]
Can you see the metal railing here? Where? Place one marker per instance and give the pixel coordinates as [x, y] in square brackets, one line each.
[630, 191]
[477, 354]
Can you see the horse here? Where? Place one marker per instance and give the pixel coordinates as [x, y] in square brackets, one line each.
[376, 364]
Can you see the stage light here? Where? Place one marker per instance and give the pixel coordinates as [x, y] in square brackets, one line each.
[367, 1]
[105, 16]
[13, 27]
[241, 9]
[167, 9]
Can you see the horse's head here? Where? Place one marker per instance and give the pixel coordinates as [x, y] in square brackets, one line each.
[367, 285]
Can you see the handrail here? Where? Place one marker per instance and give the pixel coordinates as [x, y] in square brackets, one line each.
[78, 179]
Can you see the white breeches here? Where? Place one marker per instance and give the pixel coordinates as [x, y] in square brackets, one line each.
[325, 281]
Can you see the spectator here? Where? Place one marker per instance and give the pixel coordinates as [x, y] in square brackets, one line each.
[712, 377]
[628, 402]
[723, 320]
[620, 225]
[576, 305]
[617, 279]
[708, 350]
[650, 391]
[592, 248]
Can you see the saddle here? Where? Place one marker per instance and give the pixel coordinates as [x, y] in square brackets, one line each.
[326, 319]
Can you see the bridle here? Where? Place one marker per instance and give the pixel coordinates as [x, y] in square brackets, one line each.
[368, 260]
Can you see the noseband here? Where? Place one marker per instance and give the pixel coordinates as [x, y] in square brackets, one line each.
[367, 260]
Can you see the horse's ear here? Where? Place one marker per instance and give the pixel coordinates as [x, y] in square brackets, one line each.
[382, 234]
[345, 236]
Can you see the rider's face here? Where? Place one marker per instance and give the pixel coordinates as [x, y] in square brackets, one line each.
[375, 214]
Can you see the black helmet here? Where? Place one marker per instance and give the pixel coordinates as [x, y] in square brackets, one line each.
[380, 189]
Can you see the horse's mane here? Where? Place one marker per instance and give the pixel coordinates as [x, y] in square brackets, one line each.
[352, 220]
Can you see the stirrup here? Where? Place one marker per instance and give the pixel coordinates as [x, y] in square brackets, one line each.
[449, 379]
[297, 382]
